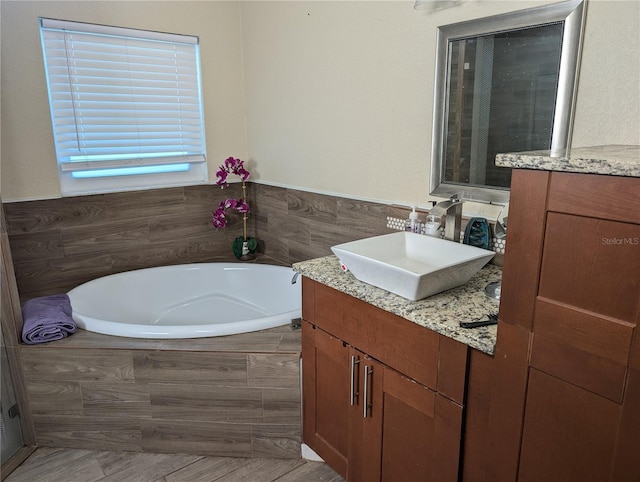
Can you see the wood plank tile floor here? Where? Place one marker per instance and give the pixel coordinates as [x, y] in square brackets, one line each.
[75, 465]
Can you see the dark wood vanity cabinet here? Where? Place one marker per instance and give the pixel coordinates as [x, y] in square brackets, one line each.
[568, 331]
[382, 397]
[560, 398]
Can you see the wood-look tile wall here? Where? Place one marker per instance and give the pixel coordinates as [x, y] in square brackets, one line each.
[58, 244]
[297, 225]
[224, 403]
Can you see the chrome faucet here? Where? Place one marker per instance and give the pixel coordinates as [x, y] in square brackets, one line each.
[450, 214]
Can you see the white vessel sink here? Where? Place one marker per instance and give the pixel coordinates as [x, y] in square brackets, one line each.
[412, 265]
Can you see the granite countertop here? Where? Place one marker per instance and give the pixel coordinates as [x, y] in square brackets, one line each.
[609, 160]
[440, 313]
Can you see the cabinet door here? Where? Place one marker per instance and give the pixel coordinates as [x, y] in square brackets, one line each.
[365, 418]
[371, 423]
[421, 432]
[326, 366]
[569, 433]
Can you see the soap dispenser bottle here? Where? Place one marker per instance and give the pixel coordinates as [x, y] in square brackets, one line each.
[413, 224]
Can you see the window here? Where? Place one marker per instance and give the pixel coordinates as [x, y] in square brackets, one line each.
[126, 107]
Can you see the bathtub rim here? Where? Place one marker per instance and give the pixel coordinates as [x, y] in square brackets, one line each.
[187, 331]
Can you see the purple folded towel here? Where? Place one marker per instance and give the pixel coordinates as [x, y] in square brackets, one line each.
[47, 318]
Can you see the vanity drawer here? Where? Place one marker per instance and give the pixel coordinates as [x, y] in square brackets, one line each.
[590, 372]
[607, 197]
[409, 348]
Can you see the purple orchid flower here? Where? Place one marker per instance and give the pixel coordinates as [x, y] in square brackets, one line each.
[242, 206]
[231, 166]
[222, 178]
[219, 216]
[230, 163]
[235, 166]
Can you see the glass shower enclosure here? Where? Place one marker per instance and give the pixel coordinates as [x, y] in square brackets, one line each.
[10, 432]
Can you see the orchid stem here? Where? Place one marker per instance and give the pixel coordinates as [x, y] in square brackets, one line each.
[244, 216]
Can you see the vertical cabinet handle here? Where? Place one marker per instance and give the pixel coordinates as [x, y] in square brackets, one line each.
[354, 361]
[366, 405]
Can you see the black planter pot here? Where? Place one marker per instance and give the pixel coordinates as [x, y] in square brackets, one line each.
[245, 249]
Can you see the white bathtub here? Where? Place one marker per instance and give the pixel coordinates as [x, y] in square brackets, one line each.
[188, 301]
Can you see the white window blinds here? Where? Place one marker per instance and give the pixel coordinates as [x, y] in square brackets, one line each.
[122, 98]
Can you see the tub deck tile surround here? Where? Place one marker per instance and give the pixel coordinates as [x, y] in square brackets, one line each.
[281, 406]
[102, 399]
[159, 253]
[229, 369]
[205, 403]
[274, 371]
[100, 238]
[58, 244]
[237, 395]
[113, 433]
[61, 243]
[66, 399]
[154, 202]
[275, 340]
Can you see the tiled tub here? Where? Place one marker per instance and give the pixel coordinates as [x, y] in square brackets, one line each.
[235, 395]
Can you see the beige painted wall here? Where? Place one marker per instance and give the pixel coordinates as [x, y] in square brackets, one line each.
[338, 94]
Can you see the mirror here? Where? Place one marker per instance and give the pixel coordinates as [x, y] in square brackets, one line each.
[505, 83]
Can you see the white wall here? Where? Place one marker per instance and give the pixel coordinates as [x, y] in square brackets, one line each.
[608, 104]
[338, 94]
